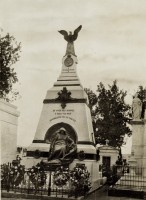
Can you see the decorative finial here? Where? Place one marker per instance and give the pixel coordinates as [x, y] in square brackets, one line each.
[70, 38]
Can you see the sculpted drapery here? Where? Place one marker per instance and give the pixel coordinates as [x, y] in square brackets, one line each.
[62, 146]
[136, 108]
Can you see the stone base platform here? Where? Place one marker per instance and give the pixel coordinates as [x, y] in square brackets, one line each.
[32, 196]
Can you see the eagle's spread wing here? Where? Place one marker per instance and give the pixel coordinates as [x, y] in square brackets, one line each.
[75, 35]
[70, 38]
[64, 33]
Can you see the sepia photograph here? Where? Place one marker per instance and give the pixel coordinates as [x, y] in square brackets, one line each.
[73, 99]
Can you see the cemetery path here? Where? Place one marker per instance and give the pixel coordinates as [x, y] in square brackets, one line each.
[102, 194]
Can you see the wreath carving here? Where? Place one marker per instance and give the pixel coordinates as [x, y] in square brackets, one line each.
[37, 154]
[61, 176]
[81, 155]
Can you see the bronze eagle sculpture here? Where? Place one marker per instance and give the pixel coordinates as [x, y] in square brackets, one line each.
[69, 37]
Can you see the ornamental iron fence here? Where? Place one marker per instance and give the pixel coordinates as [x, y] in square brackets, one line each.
[125, 176]
[59, 183]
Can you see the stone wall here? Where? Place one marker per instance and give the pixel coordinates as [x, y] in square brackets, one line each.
[8, 130]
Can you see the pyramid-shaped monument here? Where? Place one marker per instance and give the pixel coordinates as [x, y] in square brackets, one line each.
[64, 133]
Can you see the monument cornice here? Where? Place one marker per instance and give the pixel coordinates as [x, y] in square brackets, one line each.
[140, 122]
[88, 156]
[79, 142]
[67, 80]
[65, 84]
[67, 101]
[39, 141]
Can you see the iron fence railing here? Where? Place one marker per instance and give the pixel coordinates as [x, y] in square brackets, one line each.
[126, 176]
[16, 179]
[42, 191]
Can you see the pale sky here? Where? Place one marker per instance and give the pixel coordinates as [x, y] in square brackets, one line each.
[111, 45]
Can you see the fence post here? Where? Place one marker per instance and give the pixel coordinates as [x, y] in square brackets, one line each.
[49, 186]
[56, 191]
[62, 191]
[28, 186]
[8, 181]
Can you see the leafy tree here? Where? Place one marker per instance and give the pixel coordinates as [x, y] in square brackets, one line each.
[92, 99]
[9, 55]
[142, 95]
[111, 114]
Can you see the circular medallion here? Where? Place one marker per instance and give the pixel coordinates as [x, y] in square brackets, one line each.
[68, 62]
[81, 155]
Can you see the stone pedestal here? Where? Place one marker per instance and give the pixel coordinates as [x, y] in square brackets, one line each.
[138, 128]
[8, 129]
[144, 149]
[137, 162]
[144, 140]
[139, 143]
